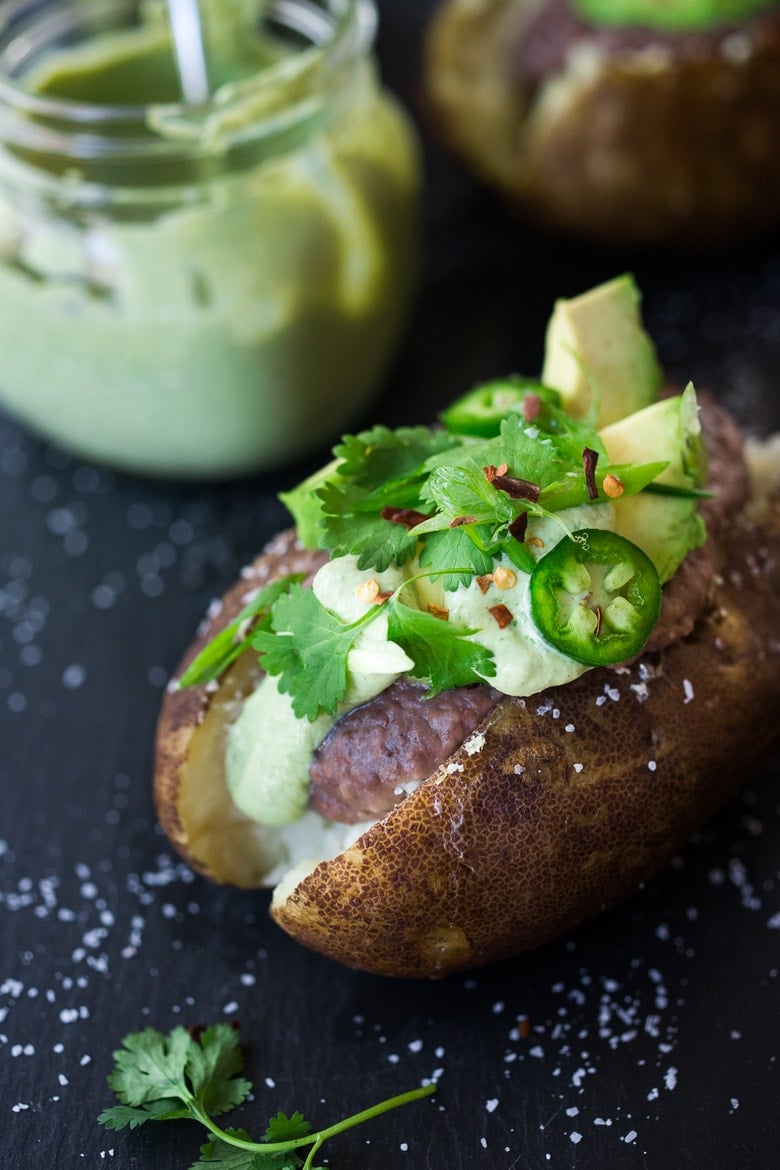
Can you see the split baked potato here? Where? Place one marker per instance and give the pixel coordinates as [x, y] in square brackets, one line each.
[626, 134]
[560, 800]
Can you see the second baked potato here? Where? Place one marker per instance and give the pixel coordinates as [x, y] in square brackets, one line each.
[621, 134]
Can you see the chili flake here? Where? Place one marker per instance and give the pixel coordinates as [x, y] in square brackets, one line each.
[504, 578]
[406, 516]
[589, 460]
[519, 527]
[502, 615]
[612, 487]
[517, 489]
[491, 472]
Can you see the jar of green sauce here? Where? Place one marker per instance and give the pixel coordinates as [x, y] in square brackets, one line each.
[207, 289]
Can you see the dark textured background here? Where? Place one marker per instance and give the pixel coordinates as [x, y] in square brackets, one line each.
[645, 1039]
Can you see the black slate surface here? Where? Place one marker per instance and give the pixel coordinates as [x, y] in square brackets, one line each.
[645, 1039]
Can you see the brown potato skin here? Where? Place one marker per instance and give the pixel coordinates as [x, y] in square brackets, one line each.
[674, 151]
[505, 847]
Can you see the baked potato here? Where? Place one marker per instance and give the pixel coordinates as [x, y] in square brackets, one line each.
[621, 131]
[545, 806]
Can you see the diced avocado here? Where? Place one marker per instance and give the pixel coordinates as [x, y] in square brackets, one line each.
[666, 527]
[304, 506]
[597, 353]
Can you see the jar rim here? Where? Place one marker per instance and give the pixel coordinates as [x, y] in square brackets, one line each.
[333, 33]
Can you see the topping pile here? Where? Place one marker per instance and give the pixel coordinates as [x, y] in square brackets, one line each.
[451, 506]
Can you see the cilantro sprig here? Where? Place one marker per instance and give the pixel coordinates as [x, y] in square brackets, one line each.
[195, 1076]
[453, 500]
[223, 649]
[441, 474]
[307, 648]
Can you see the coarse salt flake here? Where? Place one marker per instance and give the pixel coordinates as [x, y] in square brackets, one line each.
[474, 744]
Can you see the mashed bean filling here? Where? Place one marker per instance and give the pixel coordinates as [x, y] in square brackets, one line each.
[379, 751]
[555, 29]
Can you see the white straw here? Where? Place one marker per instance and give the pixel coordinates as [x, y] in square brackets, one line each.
[188, 47]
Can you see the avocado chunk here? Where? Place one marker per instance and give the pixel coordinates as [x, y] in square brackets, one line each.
[665, 527]
[598, 355]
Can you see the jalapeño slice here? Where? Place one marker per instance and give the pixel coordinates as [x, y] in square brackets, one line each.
[595, 596]
[481, 411]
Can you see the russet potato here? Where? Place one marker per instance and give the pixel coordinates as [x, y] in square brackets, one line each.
[558, 806]
[645, 146]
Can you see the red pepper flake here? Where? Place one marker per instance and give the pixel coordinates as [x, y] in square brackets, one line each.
[502, 615]
[484, 582]
[491, 472]
[519, 527]
[523, 1027]
[459, 521]
[589, 460]
[369, 592]
[535, 542]
[612, 487]
[438, 611]
[517, 489]
[532, 404]
[406, 516]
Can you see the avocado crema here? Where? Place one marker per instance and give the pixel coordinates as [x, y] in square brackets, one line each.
[463, 519]
[222, 285]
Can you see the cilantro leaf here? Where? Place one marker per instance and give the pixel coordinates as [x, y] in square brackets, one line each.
[455, 549]
[181, 1075]
[347, 530]
[230, 643]
[461, 491]
[375, 457]
[126, 1116]
[308, 651]
[281, 1127]
[151, 1066]
[441, 653]
[377, 468]
[212, 1064]
[531, 457]
[219, 1153]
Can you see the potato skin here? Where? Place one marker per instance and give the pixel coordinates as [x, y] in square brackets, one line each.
[191, 796]
[631, 148]
[557, 807]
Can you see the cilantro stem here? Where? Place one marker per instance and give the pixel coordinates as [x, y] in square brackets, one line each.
[316, 1140]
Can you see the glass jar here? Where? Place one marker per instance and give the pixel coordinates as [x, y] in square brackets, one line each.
[204, 290]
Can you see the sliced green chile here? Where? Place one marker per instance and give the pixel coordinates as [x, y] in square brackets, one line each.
[595, 597]
[481, 410]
